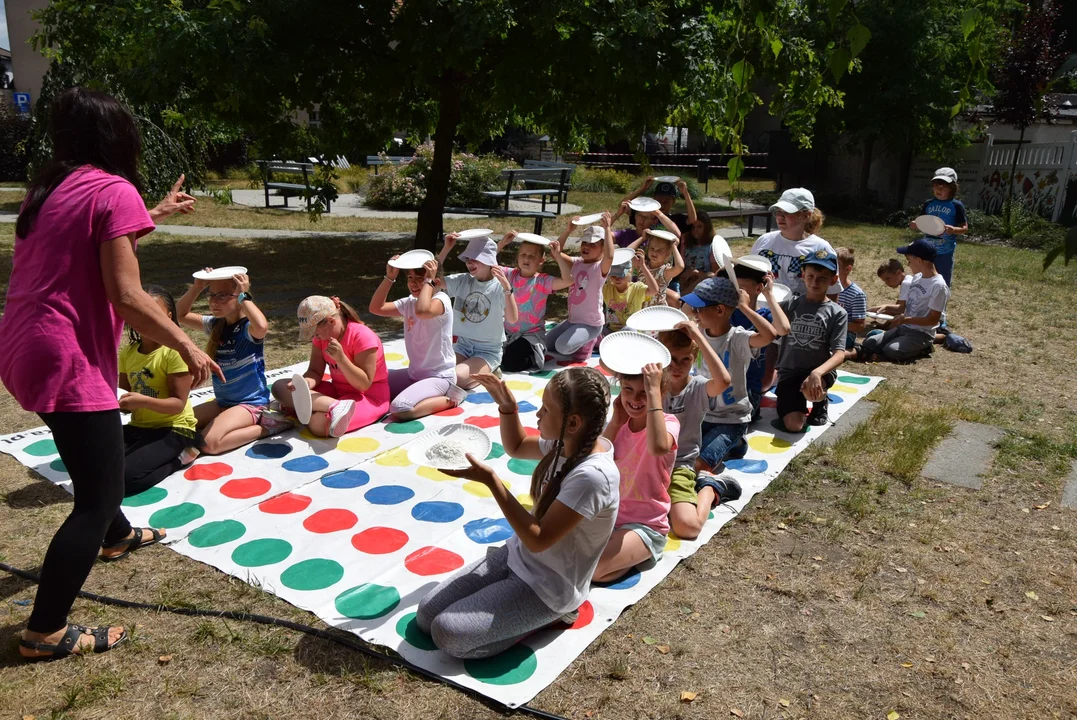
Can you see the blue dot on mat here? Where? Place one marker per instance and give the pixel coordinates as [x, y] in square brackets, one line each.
[305, 464]
[437, 512]
[836, 399]
[751, 467]
[482, 398]
[488, 530]
[526, 407]
[628, 581]
[346, 479]
[269, 451]
[389, 495]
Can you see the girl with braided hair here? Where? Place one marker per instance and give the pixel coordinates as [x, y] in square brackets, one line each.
[542, 574]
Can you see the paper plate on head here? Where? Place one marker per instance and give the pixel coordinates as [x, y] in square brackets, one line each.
[626, 352]
[668, 178]
[882, 317]
[655, 319]
[780, 292]
[755, 262]
[644, 204]
[930, 225]
[301, 399]
[664, 234]
[723, 255]
[446, 447]
[412, 259]
[531, 238]
[587, 219]
[221, 273]
[473, 233]
[623, 255]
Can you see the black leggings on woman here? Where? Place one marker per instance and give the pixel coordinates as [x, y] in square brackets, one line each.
[91, 447]
[152, 455]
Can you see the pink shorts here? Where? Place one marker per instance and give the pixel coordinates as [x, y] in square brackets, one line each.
[367, 410]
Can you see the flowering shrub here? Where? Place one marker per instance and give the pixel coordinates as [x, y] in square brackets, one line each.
[403, 187]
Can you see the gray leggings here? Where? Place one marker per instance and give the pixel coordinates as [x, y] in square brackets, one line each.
[567, 338]
[483, 609]
[899, 344]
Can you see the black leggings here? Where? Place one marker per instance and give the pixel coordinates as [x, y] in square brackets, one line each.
[91, 447]
[152, 455]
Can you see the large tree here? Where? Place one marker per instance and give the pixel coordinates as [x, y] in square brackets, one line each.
[576, 69]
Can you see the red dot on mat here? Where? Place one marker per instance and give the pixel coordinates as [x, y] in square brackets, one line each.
[379, 540]
[768, 402]
[432, 561]
[331, 520]
[285, 504]
[532, 431]
[604, 371]
[208, 471]
[587, 614]
[483, 421]
[569, 363]
[243, 488]
[451, 411]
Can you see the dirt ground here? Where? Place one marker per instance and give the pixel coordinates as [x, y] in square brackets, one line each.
[851, 588]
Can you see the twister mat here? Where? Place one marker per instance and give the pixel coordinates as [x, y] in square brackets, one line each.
[356, 532]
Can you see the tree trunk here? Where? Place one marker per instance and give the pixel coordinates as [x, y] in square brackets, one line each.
[437, 184]
[865, 166]
[903, 178]
[1009, 193]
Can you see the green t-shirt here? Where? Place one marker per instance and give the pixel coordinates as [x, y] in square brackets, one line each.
[148, 375]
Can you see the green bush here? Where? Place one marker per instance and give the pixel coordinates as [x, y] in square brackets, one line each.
[602, 180]
[15, 130]
[403, 187]
[1022, 226]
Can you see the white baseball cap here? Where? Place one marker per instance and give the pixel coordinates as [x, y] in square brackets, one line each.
[795, 200]
[482, 250]
[946, 174]
[593, 234]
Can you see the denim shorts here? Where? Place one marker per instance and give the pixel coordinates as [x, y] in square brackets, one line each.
[654, 540]
[722, 441]
[490, 352]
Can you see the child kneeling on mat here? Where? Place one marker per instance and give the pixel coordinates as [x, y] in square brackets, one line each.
[357, 393]
[574, 338]
[543, 572]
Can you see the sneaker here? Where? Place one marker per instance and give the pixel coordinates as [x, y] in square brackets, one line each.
[276, 422]
[728, 489]
[340, 416]
[570, 618]
[818, 415]
[497, 372]
[189, 455]
[456, 393]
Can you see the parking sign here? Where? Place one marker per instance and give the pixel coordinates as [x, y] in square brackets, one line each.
[22, 101]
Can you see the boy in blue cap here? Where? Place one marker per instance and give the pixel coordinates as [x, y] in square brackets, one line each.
[810, 354]
[912, 334]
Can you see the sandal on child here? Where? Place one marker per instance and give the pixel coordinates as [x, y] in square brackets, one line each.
[69, 642]
[132, 543]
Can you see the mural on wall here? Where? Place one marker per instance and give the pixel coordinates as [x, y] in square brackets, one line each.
[1038, 189]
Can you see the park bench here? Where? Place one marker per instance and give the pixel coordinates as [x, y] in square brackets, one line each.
[286, 189]
[749, 214]
[376, 160]
[547, 164]
[538, 215]
[544, 182]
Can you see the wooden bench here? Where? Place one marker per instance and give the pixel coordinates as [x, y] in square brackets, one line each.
[287, 189]
[547, 165]
[750, 214]
[538, 215]
[376, 160]
[538, 182]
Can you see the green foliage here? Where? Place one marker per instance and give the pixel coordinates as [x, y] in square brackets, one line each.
[1019, 224]
[403, 187]
[603, 180]
[15, 129]
[222, 196]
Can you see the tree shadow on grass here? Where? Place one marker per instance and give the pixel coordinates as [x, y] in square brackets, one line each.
[37, 494]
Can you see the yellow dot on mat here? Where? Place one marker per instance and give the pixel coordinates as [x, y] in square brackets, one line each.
[432, 474]
[358, 445]
[393, 356]
[480, 490]
[306, 434]
[672, 543]
[538, 393]
[393, 458]
[842, 388]
[769, 444]
[519, 384]
[526, 500]
[405, 363]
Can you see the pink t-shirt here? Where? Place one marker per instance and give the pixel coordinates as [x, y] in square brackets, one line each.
[59, 332]
[585, 297]
[644, 477]
[358, 338]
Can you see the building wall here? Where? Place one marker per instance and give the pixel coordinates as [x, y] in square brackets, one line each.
[28, 65]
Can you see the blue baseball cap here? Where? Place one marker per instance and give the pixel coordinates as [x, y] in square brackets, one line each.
[822, 258]
[713, 291]
[921, 248]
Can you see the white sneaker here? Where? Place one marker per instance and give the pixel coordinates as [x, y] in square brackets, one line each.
[456, 393]
[340, 416]
[189, 455]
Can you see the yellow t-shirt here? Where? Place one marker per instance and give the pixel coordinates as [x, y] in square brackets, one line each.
[619, 305]
[148, 375]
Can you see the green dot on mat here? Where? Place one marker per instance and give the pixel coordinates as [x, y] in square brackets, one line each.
[41, 448]
[215, 533]
[266, 551]
[408, 628]
[404, 428]
[496, 451]
[615, 390]
[711, 516]
[523, 467]
[146, 497]
[316, 574]
[544, 374]
[854, 380]
[57, 465]
[177, 515]
[367, 601]
[513, 666]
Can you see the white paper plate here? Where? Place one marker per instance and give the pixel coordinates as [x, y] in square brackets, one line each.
[474, 440]
[644, 204]
[588, 219]
[668, 178]
[623, 255]
[301, 399]
[412, 259]
[723, 255]
[531, 238]
[626, 352]
[880, 316]
[664, 234]
[781, 294]
[755, 262]
[222, 273]
[655, 319]
[473, 233]
[930, 225]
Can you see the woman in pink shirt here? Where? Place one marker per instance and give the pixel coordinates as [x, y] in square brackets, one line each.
[74, 282]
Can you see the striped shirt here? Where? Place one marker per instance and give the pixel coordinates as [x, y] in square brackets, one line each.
[855, 301]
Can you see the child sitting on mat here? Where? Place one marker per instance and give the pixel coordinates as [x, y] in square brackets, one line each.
[574, 338]
[428, 384]
[543, 572]
[357, 393]
[893, 275]
[852, 298]
[696, 251]
[753, 277]
[663, 260]
[622, 296]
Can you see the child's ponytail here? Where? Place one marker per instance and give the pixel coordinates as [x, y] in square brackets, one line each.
[154, 291]
[214, 341]
[815, 221]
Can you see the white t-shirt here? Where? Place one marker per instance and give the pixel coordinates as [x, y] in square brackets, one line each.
[478, 308]
[903, 291]
[732, 406]
[428, 343]
[926, 294]
[785, 256]
[561, 574]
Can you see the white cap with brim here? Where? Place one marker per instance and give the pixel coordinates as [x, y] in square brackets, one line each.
[593, 234]
[481, 250]
[946, 174]
[794, 200]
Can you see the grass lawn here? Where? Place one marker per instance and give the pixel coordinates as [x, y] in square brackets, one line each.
[851, 588]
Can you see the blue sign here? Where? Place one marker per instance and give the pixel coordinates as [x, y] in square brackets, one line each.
[22, 102]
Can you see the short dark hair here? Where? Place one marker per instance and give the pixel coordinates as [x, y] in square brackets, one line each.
[750, 273]
[846, 256]
[893, 265]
